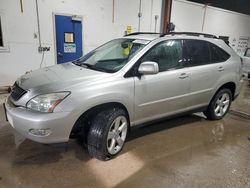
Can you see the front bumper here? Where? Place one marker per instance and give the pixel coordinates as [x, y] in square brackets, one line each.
[23, 120]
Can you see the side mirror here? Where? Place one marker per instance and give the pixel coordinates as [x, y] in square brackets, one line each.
[148, 67]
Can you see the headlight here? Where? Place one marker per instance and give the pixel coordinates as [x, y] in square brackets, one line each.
[47, 102]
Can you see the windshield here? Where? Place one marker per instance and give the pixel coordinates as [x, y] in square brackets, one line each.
[113, 55]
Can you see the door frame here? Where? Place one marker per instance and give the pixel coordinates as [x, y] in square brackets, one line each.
[54, 14]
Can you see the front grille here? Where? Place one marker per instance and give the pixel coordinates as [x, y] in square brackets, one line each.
[17, 92]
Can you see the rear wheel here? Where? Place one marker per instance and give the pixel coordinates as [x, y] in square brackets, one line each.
[219, 105]
[107, 133]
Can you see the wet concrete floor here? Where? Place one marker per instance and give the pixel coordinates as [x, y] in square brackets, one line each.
[184, 152]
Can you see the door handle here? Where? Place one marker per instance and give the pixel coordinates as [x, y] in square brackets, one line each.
[59, 54]
[183, 75]
[220, 69]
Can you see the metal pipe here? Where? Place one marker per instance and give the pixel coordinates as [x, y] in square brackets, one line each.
[151, 14]
[156, 18]
[166, 14]
[21, 5]
[38, 24]
[5, 89]
[204, 17]
[113, 12]
[139, 15]
[39, 34]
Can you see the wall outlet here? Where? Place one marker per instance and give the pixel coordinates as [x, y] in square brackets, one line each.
[43, 49]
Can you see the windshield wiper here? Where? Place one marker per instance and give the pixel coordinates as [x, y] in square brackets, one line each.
[77, 62]
[93, 67]
[82, 65]
[89, 66]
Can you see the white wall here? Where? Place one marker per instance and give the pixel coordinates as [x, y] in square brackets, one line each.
[188, 16]
[97, 28]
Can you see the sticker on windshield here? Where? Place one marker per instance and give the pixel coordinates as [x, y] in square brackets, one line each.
[140, 41]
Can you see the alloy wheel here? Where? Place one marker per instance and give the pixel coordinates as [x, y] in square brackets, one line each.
[117, 135]
[222, 104]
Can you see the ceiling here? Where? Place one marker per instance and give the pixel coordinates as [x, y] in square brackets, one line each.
[241, 6]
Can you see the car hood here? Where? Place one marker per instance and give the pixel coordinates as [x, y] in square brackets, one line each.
[60, 76]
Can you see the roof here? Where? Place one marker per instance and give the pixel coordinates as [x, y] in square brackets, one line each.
[151, 36]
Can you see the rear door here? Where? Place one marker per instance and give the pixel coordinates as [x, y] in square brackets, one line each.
[68, 38]
[163, 93]
[206, 63]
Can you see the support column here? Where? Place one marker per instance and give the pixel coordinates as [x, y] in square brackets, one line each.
[166, 14]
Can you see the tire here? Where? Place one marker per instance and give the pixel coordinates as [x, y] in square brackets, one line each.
[219, 105]
[107, 134]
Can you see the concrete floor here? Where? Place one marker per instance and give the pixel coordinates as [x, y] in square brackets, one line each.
[183, 152]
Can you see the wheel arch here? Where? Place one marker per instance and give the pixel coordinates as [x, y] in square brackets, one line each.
[229, 85]
[82, 124]
[210, 111]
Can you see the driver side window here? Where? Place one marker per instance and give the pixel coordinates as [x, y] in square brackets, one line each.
[167, 54]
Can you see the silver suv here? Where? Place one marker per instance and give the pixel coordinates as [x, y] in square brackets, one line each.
[128, 81]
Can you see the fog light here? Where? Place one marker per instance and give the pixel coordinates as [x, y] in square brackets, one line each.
[40, 132]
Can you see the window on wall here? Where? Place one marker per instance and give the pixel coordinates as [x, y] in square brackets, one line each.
[1, 33]
[3, 40]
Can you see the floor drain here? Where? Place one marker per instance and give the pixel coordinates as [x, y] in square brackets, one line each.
[240, 114]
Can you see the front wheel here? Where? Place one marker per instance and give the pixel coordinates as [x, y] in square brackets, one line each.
[107, 133]
[219, 105]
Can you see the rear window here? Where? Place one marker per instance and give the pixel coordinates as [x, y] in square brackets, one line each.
[196, 52]
[217, 54]
[199, 52]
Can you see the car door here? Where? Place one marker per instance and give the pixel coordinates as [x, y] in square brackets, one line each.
[206, 63]
[163, 93]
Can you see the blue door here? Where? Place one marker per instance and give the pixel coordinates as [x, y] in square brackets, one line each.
[68, 38]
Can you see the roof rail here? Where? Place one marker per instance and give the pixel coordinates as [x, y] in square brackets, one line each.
[138, 33]
[191, 34]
